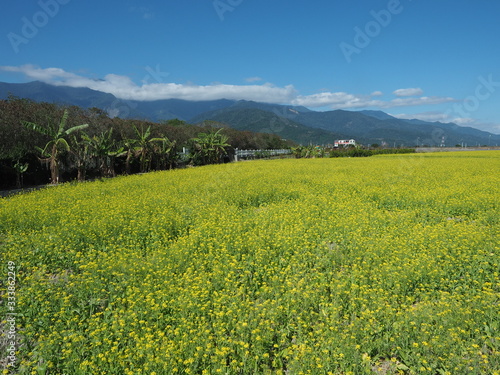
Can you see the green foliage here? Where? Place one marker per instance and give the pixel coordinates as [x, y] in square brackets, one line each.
[81, 156]
[103, 149]
[393, 151]
[16, 141]
[262, 154]
[20, 169]
[143, 149]
[351, 152]
[309, 151]
[57, 143]
[208, 148]
[174, 122]
[31, 143]
[359, 152]
[165, 152]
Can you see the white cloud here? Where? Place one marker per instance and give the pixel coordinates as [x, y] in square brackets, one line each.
[437, 116]
[409, 92]
[323, 99]
[124, 88]
[343, 100]
[446, 117]
[424, 100]
[425, 116]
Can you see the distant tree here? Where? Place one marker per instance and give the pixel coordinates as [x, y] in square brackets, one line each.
[174, 122]
[16, 141]
[97, 112]
[57, 144]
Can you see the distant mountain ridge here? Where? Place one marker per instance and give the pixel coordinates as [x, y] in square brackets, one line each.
[42, 92]
[290, 122]
[244, 117]
[87, 98]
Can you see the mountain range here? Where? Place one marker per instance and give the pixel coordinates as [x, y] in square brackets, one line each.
[296, 123]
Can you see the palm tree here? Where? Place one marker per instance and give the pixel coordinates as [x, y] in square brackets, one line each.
[57, 144]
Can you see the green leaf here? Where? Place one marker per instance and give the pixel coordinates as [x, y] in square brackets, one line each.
[62, 124]
[64, 143]
[76, 128]
[37, 128]
[402, 367]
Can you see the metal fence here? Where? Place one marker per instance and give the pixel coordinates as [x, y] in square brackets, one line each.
[245, 154]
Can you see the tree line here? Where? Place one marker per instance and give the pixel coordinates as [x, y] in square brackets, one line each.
[350, 151]
[44, 142]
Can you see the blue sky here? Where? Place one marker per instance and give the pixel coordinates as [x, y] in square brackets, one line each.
[427, 59]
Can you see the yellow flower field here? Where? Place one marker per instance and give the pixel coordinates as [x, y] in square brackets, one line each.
[381, 265]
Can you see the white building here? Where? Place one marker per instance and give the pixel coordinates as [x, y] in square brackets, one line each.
[344, 143]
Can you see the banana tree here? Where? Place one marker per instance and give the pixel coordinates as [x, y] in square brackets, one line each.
[129, 151]
[20, 168]
[144, 148]
[165, 152]
[57, 144]
[210, 147]
[80, 149]
[104, 149]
